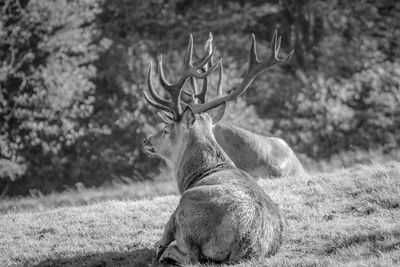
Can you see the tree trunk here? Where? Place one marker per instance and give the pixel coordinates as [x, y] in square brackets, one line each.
[5, 190]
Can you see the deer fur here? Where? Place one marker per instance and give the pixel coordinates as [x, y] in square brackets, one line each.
[223, 214]
[261, 156]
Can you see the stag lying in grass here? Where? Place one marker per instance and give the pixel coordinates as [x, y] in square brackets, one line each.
[260, 155]
[223, 214]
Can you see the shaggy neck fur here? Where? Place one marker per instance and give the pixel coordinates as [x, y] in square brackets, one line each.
[201, 156]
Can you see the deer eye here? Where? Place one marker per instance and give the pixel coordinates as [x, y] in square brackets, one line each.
[165, 131]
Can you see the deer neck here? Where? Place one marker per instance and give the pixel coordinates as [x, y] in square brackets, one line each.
[201, 157]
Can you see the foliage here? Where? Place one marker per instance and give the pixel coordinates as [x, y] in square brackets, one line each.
[72, 74]
[54, 117]
[10, 170]
[344, 86]
[46, 85]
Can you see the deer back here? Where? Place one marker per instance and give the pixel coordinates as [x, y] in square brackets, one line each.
[259, 155]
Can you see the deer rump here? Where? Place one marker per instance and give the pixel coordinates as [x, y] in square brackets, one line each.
[227, 217]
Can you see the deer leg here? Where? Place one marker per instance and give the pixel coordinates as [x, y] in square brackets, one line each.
[168, 236]
[193, 251]
[174, 253]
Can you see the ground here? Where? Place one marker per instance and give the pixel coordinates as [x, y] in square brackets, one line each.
[349, 217]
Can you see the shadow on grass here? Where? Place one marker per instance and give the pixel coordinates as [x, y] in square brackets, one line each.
[136, 258]
[378, 242]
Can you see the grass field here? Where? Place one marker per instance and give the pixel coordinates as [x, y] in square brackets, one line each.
[126, 189]
[86, 196]
[349, 217]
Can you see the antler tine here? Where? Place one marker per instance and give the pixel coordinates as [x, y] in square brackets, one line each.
[165, 117]
[278, 45]
[207, 50]
[219, 86]
[193, 84]
[208, 56]
[152, 92]
[158, 102]
[164, 83]
[202, 95]
[253, 58]
[254, 69]
[189, 52]
[273, 43]
[155, 104]
[208, 42]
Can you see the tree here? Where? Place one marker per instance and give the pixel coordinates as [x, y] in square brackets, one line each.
[46, 88]
[72, 75]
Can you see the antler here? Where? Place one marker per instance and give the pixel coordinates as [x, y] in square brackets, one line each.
[190, 69]
[255, 68]
[195, 96]
[201, 96]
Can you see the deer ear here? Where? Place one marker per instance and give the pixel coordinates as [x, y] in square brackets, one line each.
[217, 113]
[188, 118]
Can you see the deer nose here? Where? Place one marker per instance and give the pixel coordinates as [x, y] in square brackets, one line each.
[146, 141]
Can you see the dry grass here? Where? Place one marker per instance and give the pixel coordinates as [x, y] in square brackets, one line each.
[85, 196]
[349, 217]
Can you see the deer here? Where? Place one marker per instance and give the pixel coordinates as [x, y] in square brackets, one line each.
[223, 215]
[262, 156]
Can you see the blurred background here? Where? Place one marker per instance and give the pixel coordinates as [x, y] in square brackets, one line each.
[72, 113]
